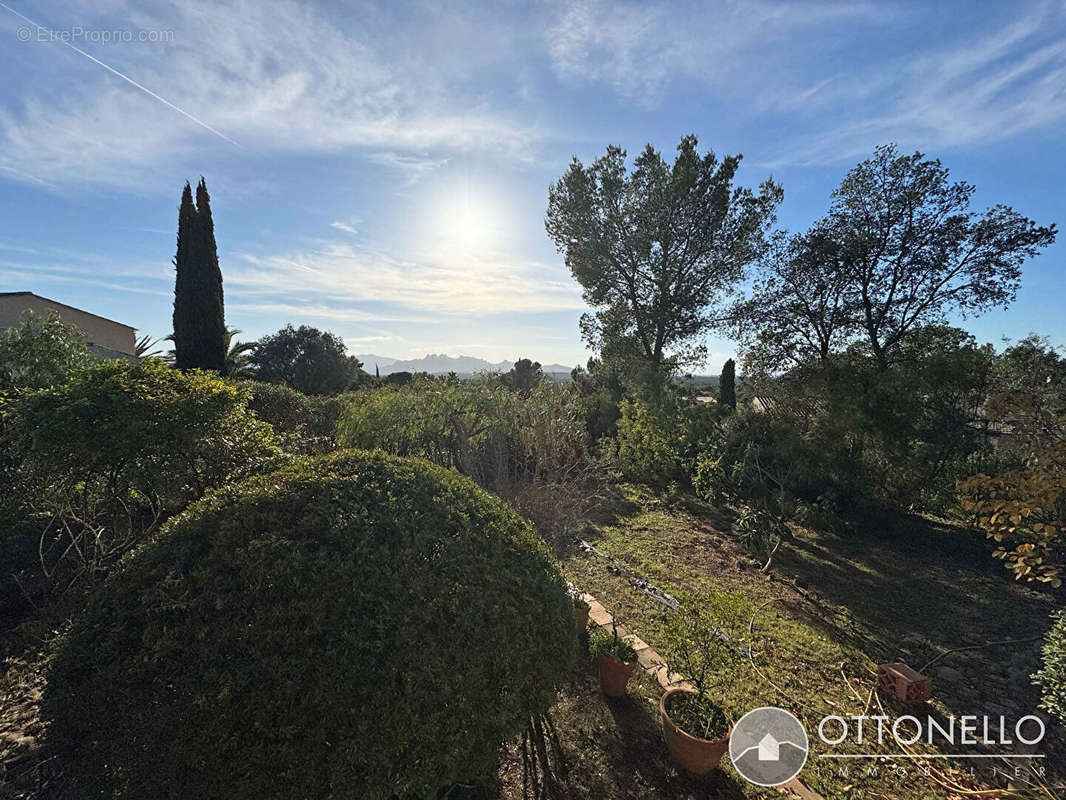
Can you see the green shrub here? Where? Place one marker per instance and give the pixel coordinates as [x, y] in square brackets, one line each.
[774, 461]
[286, 409]
[306, 424]
[42, 351]
[660, 439]
[364, 626]
[1052, 676]
[105, 457]
[531, 449]
[326, 411]
[759, 532]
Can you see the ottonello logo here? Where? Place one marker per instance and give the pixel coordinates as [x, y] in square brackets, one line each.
[768, 746]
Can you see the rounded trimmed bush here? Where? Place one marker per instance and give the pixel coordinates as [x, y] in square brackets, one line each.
[361, 626]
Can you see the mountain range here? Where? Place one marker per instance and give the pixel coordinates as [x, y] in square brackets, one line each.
[441, 364]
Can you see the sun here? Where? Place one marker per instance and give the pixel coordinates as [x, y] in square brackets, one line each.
[470, 228]
[466, 218]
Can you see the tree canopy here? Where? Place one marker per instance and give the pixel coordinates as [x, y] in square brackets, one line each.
[656, 248]
[307, 359]
[523, 376]
[899, 250]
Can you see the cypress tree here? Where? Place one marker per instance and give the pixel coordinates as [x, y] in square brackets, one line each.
[727, 387]
[184, 308]
[199, 317]
[213, 321]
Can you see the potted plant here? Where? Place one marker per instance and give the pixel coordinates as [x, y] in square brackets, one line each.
[703, 646]
[581, 610]
[615, 658]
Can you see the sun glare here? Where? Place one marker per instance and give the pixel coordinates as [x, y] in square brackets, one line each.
[470, 228]
[466, 218]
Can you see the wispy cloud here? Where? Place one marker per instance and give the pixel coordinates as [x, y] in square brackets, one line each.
[641, 48]
[344, 277]
[274, 75]
[806, 67]
[413, 167]
[983, 89]
[348, 226]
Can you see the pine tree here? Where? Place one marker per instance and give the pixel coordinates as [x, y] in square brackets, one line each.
[727, 388]
[199, 317]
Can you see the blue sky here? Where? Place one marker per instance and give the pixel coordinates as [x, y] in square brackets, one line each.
[381, 170]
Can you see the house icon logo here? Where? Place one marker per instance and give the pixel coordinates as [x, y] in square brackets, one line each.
[768, 746]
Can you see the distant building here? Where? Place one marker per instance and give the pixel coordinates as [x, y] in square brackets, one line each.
[105, 337]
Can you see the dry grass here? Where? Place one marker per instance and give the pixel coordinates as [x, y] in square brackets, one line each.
[830, 609]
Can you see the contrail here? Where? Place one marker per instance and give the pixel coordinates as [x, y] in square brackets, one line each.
[126, 78]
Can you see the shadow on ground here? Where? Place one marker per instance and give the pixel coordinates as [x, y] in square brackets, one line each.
[614, 748]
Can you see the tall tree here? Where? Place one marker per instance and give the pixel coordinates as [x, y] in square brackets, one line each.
[307, 359]
[199, 315]
[900, 250]
[656, 248]
[727, 384]
[184, 294]
[913, 251]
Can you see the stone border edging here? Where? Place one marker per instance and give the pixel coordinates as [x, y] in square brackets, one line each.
[653, 664]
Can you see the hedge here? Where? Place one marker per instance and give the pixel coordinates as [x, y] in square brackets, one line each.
[361, 626]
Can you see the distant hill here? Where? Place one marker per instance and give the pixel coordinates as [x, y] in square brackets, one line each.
[441, 364]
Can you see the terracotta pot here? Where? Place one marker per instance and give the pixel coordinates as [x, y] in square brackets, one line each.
[691, 753]
[614, 674]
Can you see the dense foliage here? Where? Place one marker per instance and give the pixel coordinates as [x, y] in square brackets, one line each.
[495, 436]
[858, 396]
[599, 390]
[661, 436]
[1052, 675]
[306, 359]
[364, 626]
[900, 250]
[531, 449]
[104, 457]
[40, 352]
[305, 424]
[523, 376]
[1023, 509]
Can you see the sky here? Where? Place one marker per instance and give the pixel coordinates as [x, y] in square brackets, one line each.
[380, 170]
